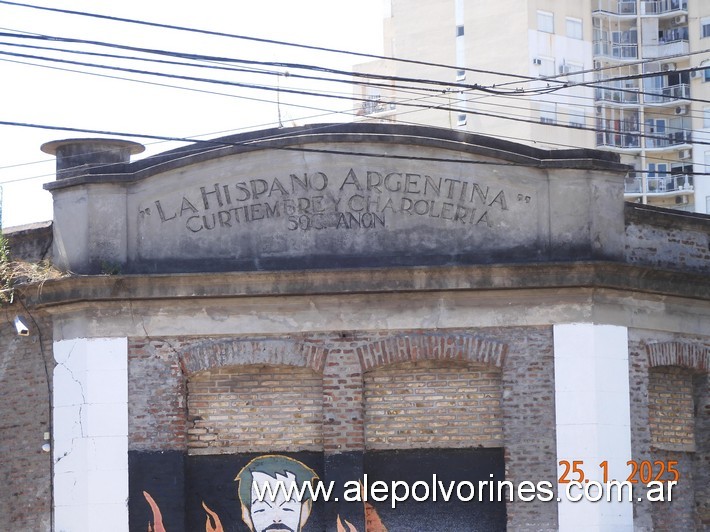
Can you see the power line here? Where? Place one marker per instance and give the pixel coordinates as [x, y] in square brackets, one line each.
[281, 64]
[325, 95]
[257, 39]
[222, 143]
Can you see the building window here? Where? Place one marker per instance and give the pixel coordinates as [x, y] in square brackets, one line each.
[704, 27]
[461, 121]
[548, 114]
[706, 117]
[574, 28]
[459, 31]
[460, 74]
[706, 74]
[545, 22]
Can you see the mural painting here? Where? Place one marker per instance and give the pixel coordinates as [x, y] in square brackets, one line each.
[255, 500]
[260, 478]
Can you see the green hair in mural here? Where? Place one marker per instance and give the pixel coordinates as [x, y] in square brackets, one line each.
[284, 512]
[272, 465]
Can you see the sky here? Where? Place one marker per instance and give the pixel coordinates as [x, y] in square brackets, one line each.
[57, 96]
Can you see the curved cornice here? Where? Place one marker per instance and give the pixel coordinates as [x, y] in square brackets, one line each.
[298, 138]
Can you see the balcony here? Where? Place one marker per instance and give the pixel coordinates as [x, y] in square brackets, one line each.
[621, 96]
[624, 140]
[659, 185]
[678, 138]
[669, 94]
[671, 41]
[666, 49]
[618, 51]
[615, 7]
[662, 7]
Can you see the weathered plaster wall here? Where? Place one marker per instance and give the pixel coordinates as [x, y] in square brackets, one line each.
[667, 239]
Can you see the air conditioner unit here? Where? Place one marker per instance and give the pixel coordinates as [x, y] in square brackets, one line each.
[564, 69]
[597, 65]
[694, 73]
[680, 19]
[668, 67]
[681, 110]
[681, 200]
[684, 154]
[537, 61]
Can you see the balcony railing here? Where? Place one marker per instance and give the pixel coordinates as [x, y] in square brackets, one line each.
[616, 139]
[659, 185]
[666, 49]
[617, 95]
[615, 7]
[616, 50]
[667, 94]
[659, 7]
[671, 139]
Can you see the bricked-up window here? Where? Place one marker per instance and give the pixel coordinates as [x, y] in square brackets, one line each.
[671, 411]
[431, 403]
[255, 408]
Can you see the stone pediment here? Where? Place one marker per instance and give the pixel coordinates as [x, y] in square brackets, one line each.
[333, 196]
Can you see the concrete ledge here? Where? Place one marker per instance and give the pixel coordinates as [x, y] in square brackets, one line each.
[395, 280]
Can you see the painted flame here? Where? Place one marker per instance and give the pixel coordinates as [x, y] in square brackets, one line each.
[157, 516]
[208, 524]
[341, 528]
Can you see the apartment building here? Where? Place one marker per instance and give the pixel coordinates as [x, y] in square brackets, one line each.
[628, 76]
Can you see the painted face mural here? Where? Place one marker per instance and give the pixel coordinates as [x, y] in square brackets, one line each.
[269, 494]
[272, 498]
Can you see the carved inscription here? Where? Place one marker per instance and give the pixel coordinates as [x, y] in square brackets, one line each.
[356, 199]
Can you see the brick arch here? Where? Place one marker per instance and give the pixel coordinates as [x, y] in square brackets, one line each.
[411, 348]
[682, 354]
[210, 353]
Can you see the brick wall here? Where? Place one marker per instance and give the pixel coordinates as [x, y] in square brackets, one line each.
[520, 359]
[432, 404]
[25, 474]
[255, 408]
[655, 356]
[667, 239]
[529, 421]
[157, 413]
[670, 408]
[701, 458]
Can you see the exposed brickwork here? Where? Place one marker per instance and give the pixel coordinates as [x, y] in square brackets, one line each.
[25, 474]
[640, 430]
[433, 404]
[156, 396]
[701, 458]
[252, 408]
[682, 354]
[405, 347]
[670, 408]
[677, 514]
[204, 354]
[343, 418]
[529, 421]
[667, 239]
[694, 466]
[521, 357]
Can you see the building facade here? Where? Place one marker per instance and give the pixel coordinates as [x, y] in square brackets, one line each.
[360, 303]
[641, 63]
